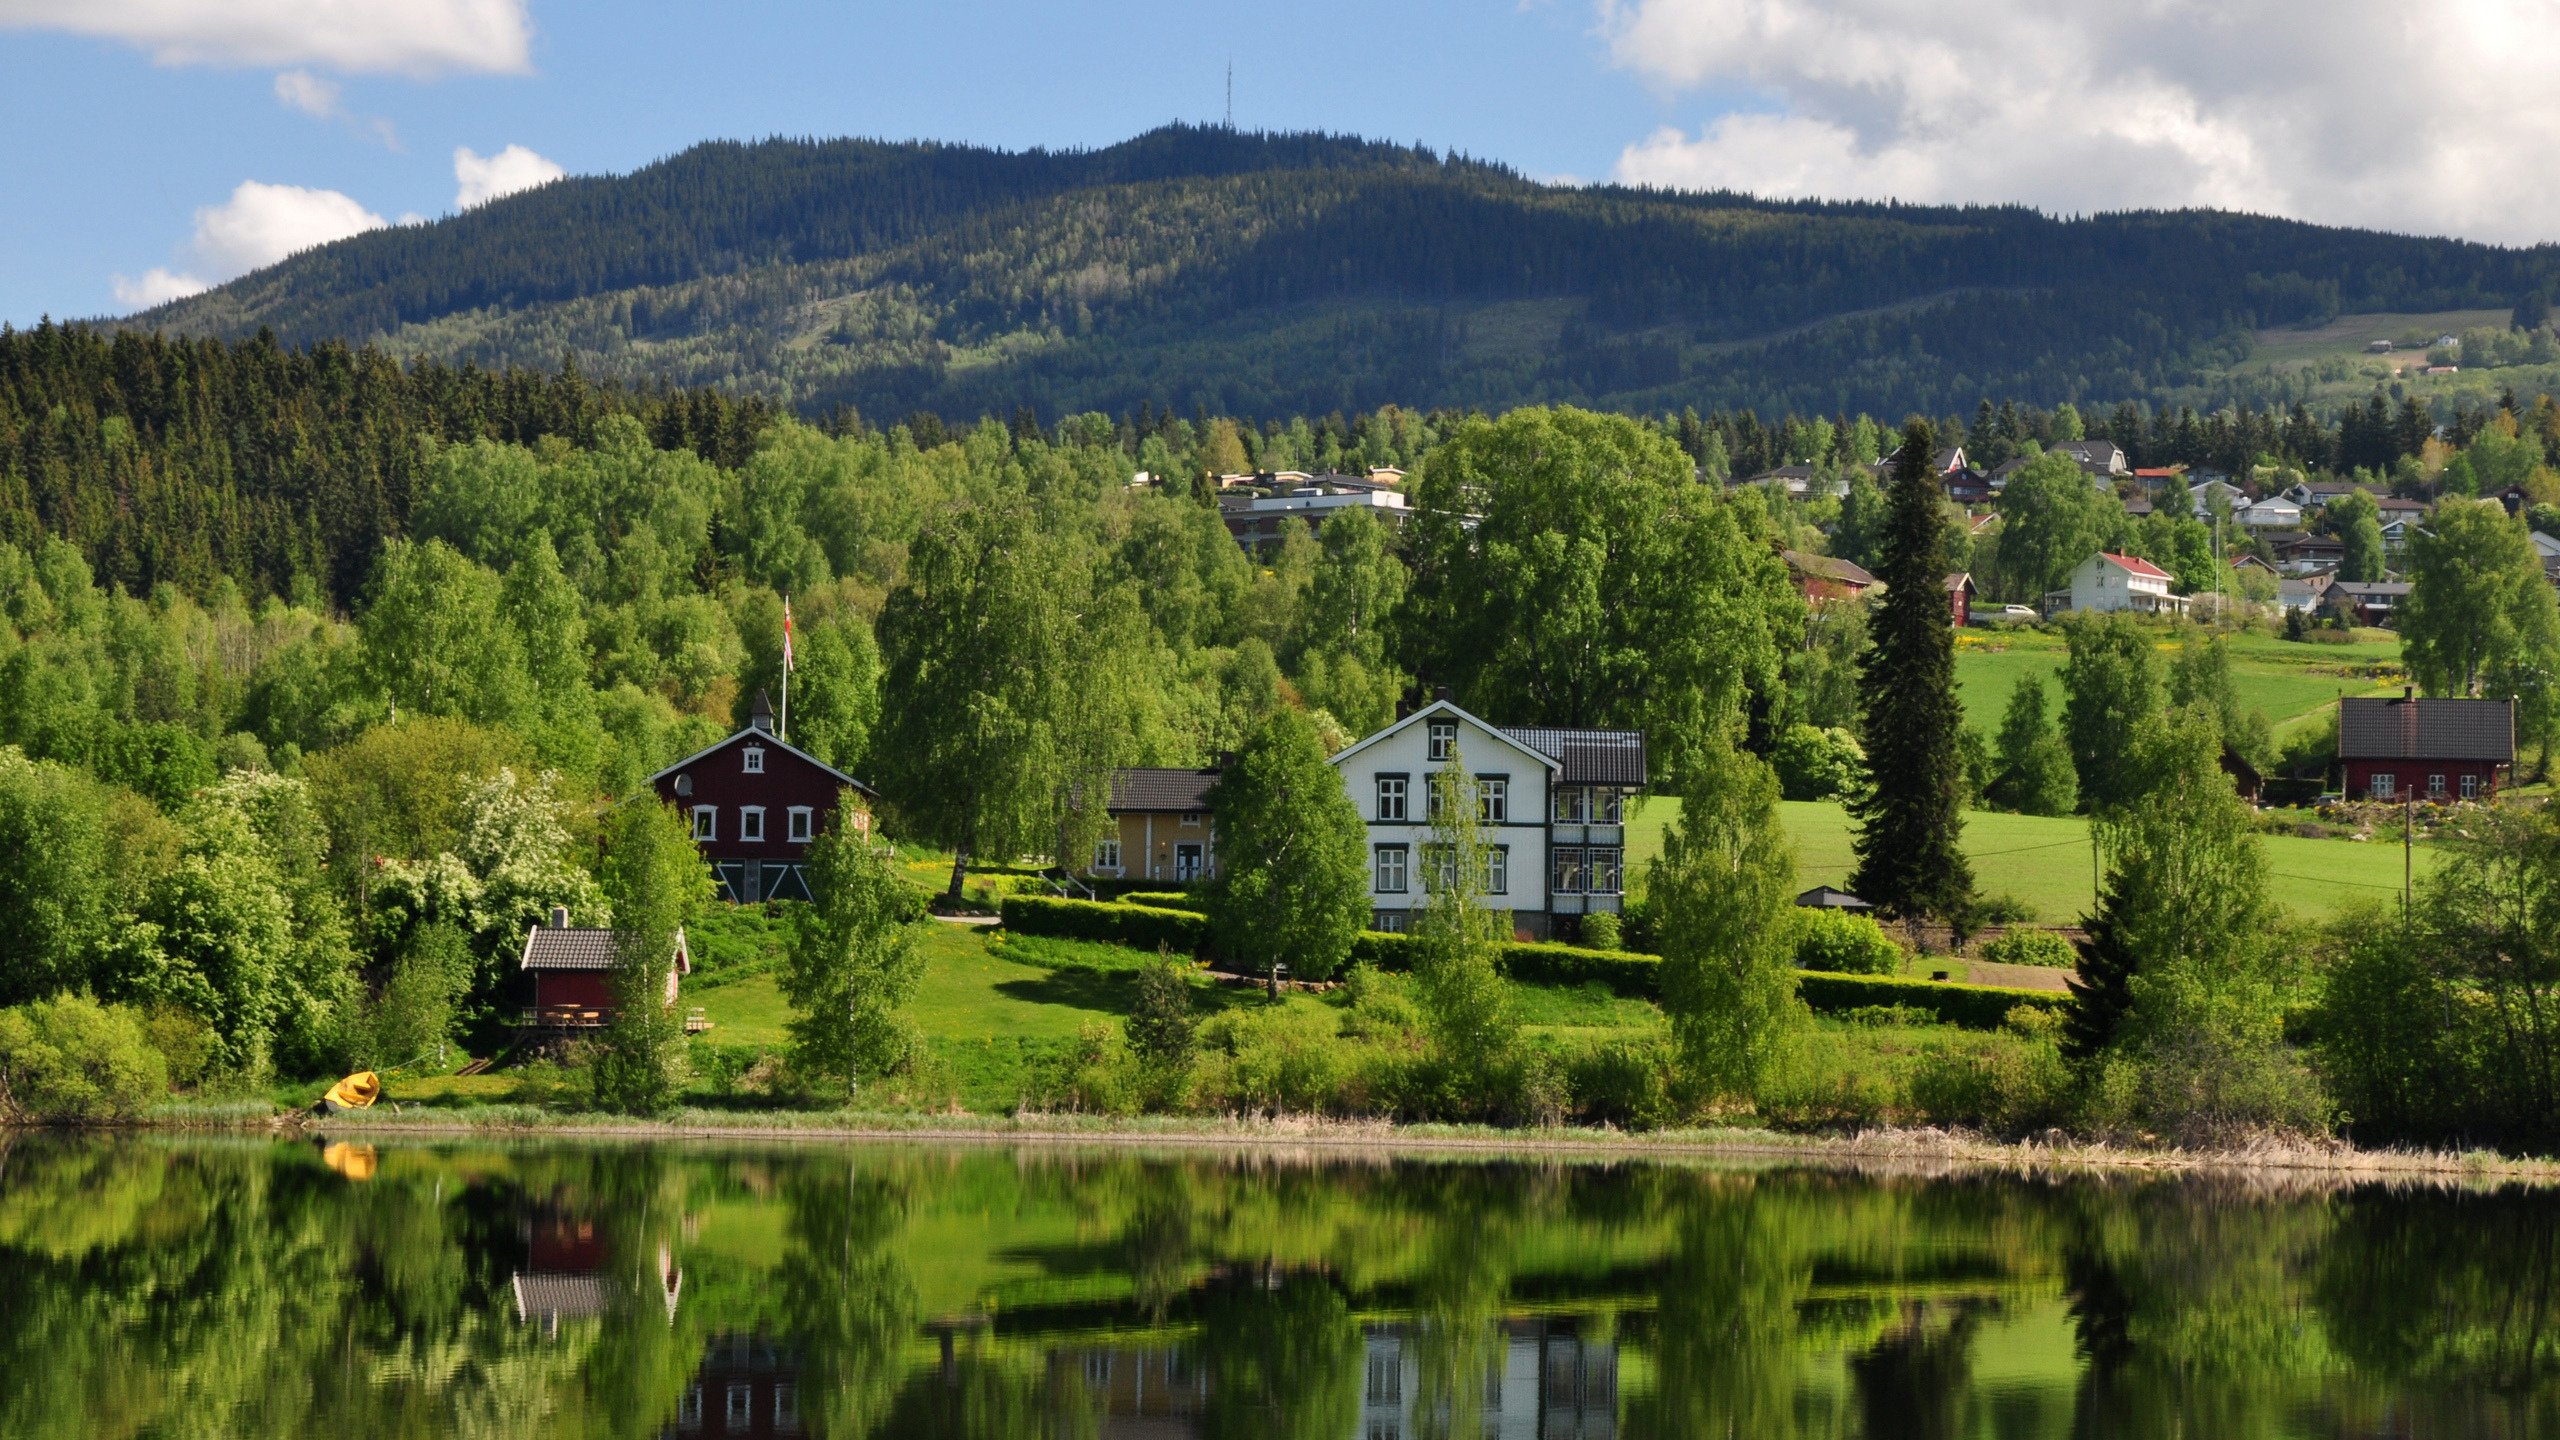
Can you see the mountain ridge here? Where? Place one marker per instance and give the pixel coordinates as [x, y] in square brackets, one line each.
[1246, 273]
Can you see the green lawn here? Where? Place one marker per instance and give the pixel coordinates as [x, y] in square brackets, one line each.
[2045, 862]
[2288, 680]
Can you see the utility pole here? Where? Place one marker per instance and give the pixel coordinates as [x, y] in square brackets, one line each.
[1231, 92]
[2408, 851]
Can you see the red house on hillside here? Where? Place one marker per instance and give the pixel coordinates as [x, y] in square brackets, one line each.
[756, 803]
[2450, 749]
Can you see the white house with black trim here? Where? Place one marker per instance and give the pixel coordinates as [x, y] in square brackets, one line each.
[1552, 803]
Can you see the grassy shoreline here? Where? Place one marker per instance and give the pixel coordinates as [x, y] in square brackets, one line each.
[1903, 1149]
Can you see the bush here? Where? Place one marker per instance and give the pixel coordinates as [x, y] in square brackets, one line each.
[1161, 1024]
[2002, 910]
[1844, 943]
[1094, 1075]
[70, 1059]
[1818, 763]
[1168, 900]
[2031, 947]
[2002, 1084]
[1627, 1084]
[1601, 931]
[1139, 927]
[1273, 1060]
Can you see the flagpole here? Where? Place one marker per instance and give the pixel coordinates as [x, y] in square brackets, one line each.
[784, 732]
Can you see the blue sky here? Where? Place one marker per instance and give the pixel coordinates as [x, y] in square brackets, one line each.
[157, 144]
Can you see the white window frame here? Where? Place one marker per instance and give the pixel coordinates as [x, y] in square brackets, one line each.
[1572, 805]
[755, 759]
[1388, 922]
[1106, 855]
[739, 1406]
[2435, 785]
[1191, 819]
[750, 824]
[2383, 785]
[1442, 738]
[689, 1409]
[1493, 799]
[1392, 863]
[1609, 807]
[786, 1406]
[1567, 870]
[803, 823]
[706, 822]
[1604, 876]
[1497, 870]
[2470, 787]
[1394, 797]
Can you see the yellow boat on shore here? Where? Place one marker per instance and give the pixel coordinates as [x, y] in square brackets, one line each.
[356, 1092]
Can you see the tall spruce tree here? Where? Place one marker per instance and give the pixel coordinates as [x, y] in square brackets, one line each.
[1909, 861]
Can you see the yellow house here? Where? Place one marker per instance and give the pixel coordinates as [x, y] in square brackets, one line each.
[1162, 828]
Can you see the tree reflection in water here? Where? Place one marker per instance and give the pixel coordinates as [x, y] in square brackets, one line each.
[161, 1285]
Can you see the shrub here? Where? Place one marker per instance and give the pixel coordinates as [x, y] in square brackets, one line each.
[1627, 1084]
[1139, 927]
[1843, 943]
[2003, 1084]
[1818, 763]
[1094, 1074]
[1380, 1007]
[1160, 1020]
[2002, 909]
[70, 1059]
[1272, 1060]
[1167, 900]
[1601, 931]
[2031, 947]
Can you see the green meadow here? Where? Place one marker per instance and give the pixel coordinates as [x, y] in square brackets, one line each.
[2290, 681]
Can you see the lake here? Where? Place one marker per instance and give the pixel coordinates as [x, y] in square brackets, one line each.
[164, 1285]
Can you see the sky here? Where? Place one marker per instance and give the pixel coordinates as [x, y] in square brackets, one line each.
[153, 147]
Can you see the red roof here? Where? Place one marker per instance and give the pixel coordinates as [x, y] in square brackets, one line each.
[2138, 567]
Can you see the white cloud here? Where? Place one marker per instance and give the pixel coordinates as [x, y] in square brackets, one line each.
[261, 224]
[158, 286]
[407, 37]
[2361, 112]
[301, 90]
[483, 178]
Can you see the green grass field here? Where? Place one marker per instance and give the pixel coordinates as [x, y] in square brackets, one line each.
[2045, 862]
[2289, 681]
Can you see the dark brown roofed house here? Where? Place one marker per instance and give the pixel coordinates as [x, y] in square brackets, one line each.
[1161, 828]
[1826, 577]
[2451, 749]
[571, 973]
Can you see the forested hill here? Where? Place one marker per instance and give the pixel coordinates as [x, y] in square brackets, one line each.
[1203, 268]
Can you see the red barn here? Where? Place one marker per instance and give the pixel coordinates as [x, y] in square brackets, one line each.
[2452, 749]
[756, 803]
[1960, 593]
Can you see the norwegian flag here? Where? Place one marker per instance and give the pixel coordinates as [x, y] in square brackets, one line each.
[786, 632]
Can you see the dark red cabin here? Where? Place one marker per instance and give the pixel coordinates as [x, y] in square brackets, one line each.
[756, 803]
[2434, 750]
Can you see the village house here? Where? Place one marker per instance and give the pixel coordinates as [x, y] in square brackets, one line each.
[569, 976]
[2273, 513]
[2301, 552]
[2305, 592]
[2108, 582]
[1552, 803]
[1160, 828]
[2428, 749]
[755, 804]
[2233, 498]
[1960, 593]
[1825, 577]
[1800, 479]
[1255, 520]
[2102, 459]
[2368, 602]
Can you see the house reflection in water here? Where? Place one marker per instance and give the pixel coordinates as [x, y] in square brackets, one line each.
[564, 1274]
[1546, 1383]
[748, 1385]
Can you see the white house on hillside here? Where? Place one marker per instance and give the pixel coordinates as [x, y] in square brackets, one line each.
[1552, 803]
[2106, 582]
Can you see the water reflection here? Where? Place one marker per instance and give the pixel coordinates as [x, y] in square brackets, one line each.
[220, 1286]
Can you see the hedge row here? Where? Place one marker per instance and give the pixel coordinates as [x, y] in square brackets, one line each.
[1975, 1007]
[1140, 927]
[1145, 927]
[1168, 900]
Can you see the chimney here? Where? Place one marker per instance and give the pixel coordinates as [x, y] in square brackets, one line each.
[559, 917]
[1223, 760]
[2408, 692]
[1440, 694]
[761, 717]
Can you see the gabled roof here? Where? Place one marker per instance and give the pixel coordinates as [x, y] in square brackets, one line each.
[582, 947]
[2414, 729]
[1588, 757]
[763, 737]
[1831, 897]
[2133, 565]
[1961, 580]
[1150, 789]
[1445, 707]
[1827, 567]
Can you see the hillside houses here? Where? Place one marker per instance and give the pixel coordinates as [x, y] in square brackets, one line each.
[2106, 583]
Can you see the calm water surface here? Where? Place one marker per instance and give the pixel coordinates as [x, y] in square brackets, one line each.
[158, 1286]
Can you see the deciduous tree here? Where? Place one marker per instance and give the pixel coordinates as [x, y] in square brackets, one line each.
[854, 962]
[1722, 896]
[655, 881]
[1293, 883]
